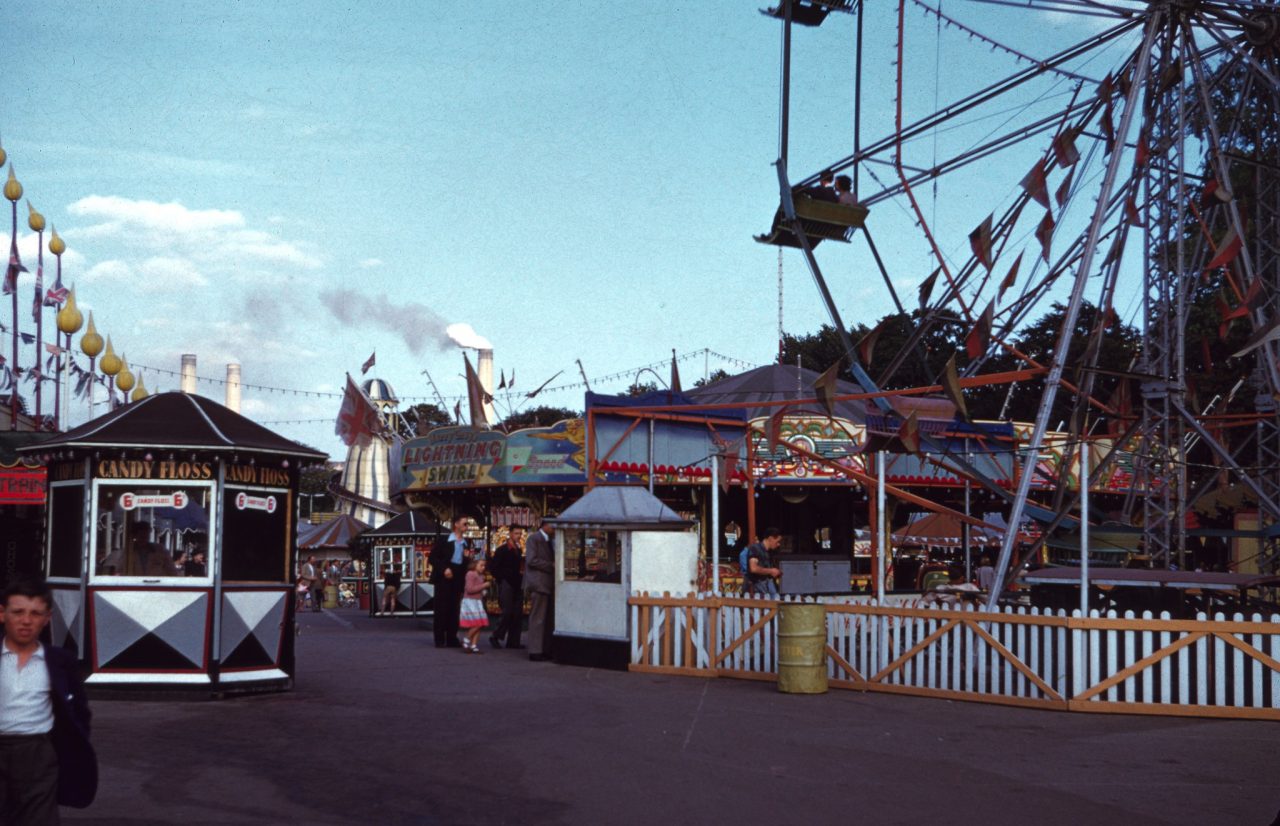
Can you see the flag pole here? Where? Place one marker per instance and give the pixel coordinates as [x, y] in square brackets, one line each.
[36, 221]
[13, 191]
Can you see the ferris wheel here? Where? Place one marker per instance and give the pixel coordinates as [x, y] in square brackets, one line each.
[1146, 181]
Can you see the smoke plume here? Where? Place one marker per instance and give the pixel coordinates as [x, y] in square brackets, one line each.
[417, 324]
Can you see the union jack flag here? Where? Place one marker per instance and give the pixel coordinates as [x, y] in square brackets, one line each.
[57, 293]
[15, 267]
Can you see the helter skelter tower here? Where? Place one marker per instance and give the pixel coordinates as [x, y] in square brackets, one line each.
[1160, 176]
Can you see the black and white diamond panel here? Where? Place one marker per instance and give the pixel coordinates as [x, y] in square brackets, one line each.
[252, 628]
[150, 630]
[65, 623]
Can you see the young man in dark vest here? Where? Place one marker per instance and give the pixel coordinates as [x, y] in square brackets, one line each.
[45, 755]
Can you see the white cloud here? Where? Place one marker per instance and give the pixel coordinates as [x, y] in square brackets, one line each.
[171, 272]
[213, 239]
[108, 271]
[370, 263]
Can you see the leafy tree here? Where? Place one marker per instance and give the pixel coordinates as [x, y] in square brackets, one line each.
[640, 388]
[715, 376]
[543, 416]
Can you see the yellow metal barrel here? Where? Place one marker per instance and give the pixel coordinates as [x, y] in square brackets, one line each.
[331, 596]
[802, 648]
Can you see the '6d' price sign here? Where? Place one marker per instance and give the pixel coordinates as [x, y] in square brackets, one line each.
[177, 499]
[258, 503]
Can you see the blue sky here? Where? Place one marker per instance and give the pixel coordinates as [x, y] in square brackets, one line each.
[575, 180]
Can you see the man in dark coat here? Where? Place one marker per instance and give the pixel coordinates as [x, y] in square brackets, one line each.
[505, 568]
[45, 755]
[448, 571]
[540, 581]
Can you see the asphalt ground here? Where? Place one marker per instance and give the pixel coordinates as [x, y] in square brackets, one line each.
[383, 728]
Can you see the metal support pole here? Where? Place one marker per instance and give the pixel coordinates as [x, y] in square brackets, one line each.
[966, 527]
[651, 456]
[715, 526]
[880, 526]
[1084, 529]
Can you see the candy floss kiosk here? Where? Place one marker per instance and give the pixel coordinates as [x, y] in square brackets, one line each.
[168, 546]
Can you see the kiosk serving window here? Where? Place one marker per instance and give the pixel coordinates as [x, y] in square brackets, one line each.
[152, 530]
[255, 535]
[66, 529]
[592, 556]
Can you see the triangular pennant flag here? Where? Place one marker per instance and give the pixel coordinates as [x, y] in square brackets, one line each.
[1106, 88]
[675, 374]
[926, 289]
[369, 362]
[1252, 294]
[773, 430]
[38, 301]
[909, 433]
[1270, 332]
[1117, 249]
[1044, 234]
[1143, 151]
[867, 344]
[1064, 189]
[1214, 194]
[1110, 318]
[502, 380]
[1036, 183]
[457, 412]
[975, 344]
[980, 242]
[511, 382]
[825, 387]
[1108, 127]
[1131, 212]
[1010, 278]
[1228, 248]
[1064, 148]
[951, 385]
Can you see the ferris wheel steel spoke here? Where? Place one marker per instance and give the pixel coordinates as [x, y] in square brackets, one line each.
[1032, 450]
[976, 99]
[1238, 49]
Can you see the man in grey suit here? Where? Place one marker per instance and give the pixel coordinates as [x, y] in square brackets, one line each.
[539, 581]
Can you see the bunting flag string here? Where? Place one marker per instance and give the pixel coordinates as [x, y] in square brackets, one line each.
[1044, 234]
[980, 242]
[979, 337]
[926, 288]
[1063, 191]
[867, 344]
[1036, 183]
[1010, 278]
[951, 386]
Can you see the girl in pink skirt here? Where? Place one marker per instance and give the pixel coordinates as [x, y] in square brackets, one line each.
[473, 617]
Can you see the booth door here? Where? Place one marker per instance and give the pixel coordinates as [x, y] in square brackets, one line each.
[397, 558]
[591, 597]
[150, 609]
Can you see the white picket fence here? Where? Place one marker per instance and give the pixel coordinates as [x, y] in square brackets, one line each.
[1219, 666]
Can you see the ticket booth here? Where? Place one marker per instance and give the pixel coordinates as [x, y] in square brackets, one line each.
[169, 546]
[404, 545]
[610, 543]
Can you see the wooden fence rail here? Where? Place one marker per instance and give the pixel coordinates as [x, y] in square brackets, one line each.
[1218, 667]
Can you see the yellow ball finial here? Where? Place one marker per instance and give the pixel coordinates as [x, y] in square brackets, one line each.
[111, 363]
[91, 342]
[70, 319]
[139, 392]
[124, 381]
[34, 219]
[12, 189]
[4, 156]
[56, 245]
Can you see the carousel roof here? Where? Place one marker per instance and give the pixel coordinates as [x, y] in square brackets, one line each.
[777, 382]
[409, 523]
[177, 420]
[939, 530]
[336, 533]
[622, 508]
